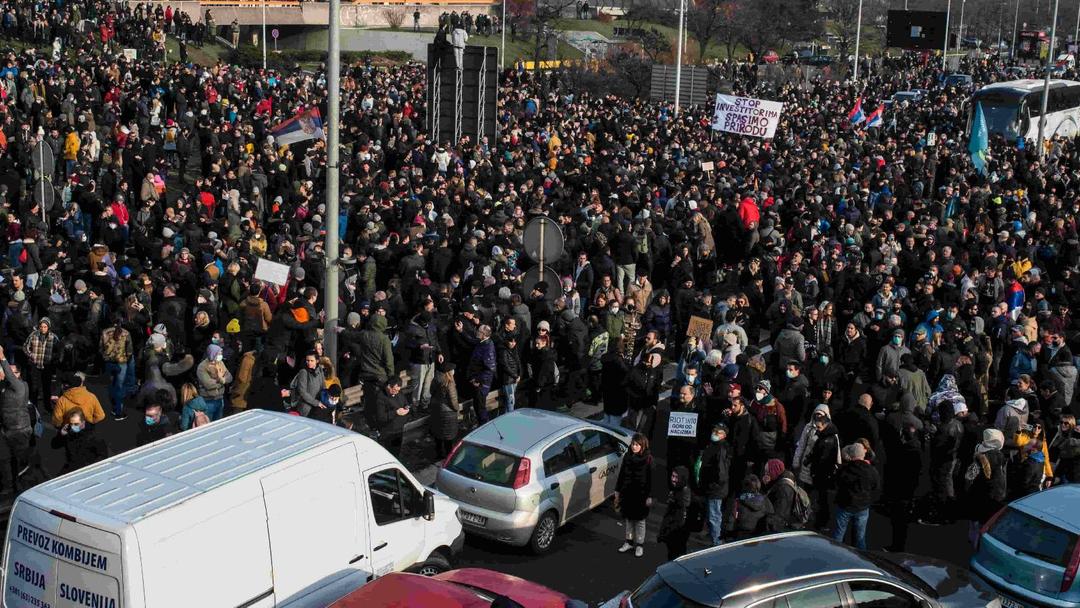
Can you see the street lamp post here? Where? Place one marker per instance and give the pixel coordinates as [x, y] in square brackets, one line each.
[945, 50]
[678, 54]
[1016, 23]
[1046, 83]
[333, 122]
[858, 34]
[960, 36]
[502, 31]
[264, 32]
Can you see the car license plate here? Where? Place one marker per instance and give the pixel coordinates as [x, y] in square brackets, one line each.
[1009, 603]
[473, 518]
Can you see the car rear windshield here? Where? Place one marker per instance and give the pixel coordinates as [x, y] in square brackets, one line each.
[655, 593]
[484, 464]
[1034, 537]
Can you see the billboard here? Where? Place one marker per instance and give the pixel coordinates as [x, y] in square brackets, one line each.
[916, 30]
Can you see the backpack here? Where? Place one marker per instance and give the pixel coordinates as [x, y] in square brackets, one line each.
[801, 509]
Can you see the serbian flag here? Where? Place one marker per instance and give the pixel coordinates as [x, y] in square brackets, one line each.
[1015, 297]
[302, 127]
[874, 119]
[856, 114]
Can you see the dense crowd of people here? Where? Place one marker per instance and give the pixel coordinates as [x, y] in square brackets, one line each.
[878, 307]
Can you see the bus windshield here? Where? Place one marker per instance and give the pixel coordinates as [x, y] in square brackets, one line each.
[1002, 119]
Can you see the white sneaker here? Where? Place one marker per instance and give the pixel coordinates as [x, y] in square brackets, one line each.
[639, 551]
[625, 547]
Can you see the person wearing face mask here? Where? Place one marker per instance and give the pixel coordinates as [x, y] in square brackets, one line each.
[713, 475]
[888, 360]
[853, 353]
[213, 378]
[771, 419]
[81, 445]
[155, 425]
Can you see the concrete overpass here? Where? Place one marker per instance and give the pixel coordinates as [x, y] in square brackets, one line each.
[353, 14]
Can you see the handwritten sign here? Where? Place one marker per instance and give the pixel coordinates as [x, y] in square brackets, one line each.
[682, 424]
[707, 166]
[699, 327]
[746, 116]
[272, 272]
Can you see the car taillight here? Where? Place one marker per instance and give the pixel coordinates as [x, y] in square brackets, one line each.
[522, 478]
[986, 527]
[450, 456]
[1070, 570]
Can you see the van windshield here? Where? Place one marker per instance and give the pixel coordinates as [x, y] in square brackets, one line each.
[1034, 537]
[484, 463]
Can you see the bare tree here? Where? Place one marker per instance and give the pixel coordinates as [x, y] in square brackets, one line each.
[842, 23]
[764, 25]
[712, 21]
[634, 70]
[394, 17]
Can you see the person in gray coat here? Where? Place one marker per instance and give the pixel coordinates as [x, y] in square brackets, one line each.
[888, 360]
[17, 425]
[306, 386]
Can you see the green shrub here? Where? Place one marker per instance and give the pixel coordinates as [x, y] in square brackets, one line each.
[252, 57]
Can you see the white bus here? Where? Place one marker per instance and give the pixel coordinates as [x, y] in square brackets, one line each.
[1012, 108]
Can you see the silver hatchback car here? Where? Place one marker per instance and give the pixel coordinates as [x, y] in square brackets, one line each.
[520, 476]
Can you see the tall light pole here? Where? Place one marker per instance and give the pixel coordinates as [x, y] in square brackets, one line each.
[1046, 83]
[333, 122]
[264, 33]
[502, 30]
[945, 51]
[678, 54]
[960, 36]
[858, 34]
[1016, 24]
[1076, 31]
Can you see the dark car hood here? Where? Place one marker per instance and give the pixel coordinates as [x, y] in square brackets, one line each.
[955, 587]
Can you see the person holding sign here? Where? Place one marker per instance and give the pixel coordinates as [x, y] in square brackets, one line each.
[683, 438]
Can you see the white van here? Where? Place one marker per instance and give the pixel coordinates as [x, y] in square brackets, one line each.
[258, 509]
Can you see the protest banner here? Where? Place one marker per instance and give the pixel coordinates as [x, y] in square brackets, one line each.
[746, 116]
[272, 272]
[682, 424]
[699, 327]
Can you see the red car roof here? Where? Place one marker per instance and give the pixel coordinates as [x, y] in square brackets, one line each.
[449, 590]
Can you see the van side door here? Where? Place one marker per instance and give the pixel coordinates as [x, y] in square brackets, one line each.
[395, 519]
[318, 541]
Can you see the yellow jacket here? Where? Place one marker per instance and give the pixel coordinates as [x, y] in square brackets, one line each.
[84, 400]
[71, 146]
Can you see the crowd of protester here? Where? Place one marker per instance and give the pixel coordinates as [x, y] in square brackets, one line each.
[878, 308]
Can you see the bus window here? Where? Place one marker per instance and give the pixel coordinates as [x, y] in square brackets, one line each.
[1001, 120]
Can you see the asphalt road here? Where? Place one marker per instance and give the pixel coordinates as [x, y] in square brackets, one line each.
[584, 562]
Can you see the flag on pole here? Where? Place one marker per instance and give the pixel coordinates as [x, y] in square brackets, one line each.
[302, 127]
[855, 116]
[875, 117]
[978, 143]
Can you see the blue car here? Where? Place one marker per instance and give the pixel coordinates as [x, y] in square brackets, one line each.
[1028, 551]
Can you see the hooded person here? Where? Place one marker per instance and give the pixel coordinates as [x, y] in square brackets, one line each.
[804, 443]
[375, 354]
[213, 379]
[947, 391]
[675, 525]
[986, 479]
[1012, 417]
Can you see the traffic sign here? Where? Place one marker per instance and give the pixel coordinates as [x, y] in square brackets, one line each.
[274, 33]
